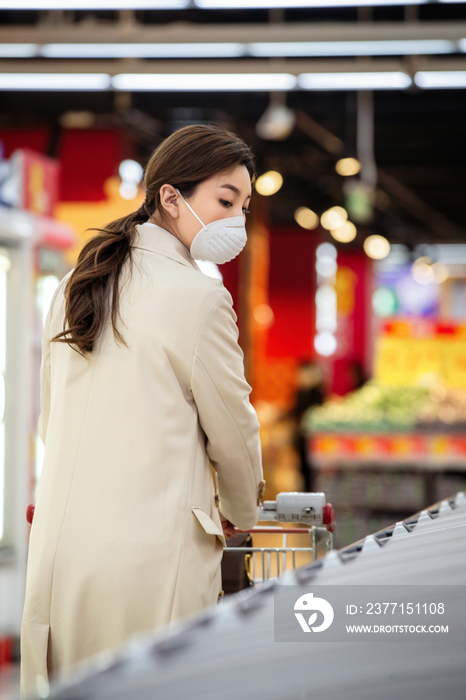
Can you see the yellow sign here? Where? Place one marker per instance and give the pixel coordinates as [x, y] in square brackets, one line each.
[402, 361]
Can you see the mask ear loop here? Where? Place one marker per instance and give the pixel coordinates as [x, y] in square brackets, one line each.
[203, 225]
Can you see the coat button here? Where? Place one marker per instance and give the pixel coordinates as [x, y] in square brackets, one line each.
[260, 492]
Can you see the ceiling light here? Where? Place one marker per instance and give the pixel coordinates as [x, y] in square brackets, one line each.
[326, 267]
[306, 218]
[423, 260]
[54, 81]
[203, 4]
[128, 190]
[440, 79]
[326, 260]
[325, 344]
[326, 322]
[77, 120]
[333, 218]
[18, 50]
[422, 272]
[276, 123]
[235, 49]
[326, 250]
[406, 47]
[153, 50]
[130, 171]
[348, 166]
[204, 81]
[95, 4]
[344, 233]
[224, 81]
[267, 4]
[441, 272]
[326, 297]
[269, 183]
[263, 315]
[376, 247]
[394, 80]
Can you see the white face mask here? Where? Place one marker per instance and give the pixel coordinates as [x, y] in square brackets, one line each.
[220, 241]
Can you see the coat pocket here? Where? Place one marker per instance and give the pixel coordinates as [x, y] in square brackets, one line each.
[208, 524]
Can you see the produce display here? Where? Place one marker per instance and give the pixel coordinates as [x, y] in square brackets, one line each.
[445, 407]
[379, 408]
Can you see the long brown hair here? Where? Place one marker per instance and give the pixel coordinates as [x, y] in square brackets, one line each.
[184, 159]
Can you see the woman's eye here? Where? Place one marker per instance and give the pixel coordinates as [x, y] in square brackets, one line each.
[246, 211]
[225, 203]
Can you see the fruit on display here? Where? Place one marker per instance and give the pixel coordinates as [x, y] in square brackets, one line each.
[380, 408]
[446, 406]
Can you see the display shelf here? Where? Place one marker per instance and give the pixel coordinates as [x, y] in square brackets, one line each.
[372, 480]
[415, 449]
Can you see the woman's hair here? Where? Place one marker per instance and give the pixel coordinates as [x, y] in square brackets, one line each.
[184, 159]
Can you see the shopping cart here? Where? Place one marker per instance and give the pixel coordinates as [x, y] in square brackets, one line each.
[267, 562]
[264, 563]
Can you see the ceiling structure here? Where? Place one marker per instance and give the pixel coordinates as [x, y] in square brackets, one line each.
[156, 70]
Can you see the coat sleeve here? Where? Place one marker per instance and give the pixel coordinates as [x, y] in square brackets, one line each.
[45, 366]
[228, 419]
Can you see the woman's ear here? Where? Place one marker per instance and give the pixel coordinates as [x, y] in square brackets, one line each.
[169, 200]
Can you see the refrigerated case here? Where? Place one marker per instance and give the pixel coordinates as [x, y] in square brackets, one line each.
[32, 261]
[49, 267]
[5, 264]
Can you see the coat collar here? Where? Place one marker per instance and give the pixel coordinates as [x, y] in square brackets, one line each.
[159, 240]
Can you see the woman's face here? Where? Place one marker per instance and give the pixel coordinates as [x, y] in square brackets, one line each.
[223, 195]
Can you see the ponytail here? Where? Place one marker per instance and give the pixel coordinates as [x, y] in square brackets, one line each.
[96, 274]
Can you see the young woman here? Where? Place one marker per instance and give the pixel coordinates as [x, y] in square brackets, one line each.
[142, 387]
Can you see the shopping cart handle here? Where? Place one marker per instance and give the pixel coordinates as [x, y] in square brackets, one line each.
[328, 516]
[30, 513]
[297, 507]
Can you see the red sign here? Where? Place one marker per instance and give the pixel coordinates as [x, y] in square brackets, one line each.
[38, 177]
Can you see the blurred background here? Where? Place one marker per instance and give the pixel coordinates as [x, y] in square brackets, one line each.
[351, 291]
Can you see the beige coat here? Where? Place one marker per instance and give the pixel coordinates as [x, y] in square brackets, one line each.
[126, 536]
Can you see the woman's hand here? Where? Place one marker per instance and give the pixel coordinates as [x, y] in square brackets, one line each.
[228, 527]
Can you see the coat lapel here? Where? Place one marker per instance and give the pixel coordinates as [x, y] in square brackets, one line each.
[159, 240]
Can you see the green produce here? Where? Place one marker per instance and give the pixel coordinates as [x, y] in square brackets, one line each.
[374, 407]
[378, 408]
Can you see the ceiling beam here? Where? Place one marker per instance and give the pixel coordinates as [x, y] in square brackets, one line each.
[184, 32]
[239, 66]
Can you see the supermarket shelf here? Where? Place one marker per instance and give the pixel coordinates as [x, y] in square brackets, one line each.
[367, 497]
[411, 450]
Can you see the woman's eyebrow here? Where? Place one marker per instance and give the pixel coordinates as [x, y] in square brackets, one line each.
[234, 189]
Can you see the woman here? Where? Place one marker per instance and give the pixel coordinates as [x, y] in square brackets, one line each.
[126, 536]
